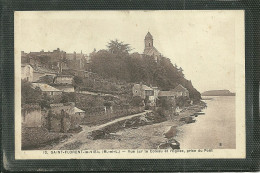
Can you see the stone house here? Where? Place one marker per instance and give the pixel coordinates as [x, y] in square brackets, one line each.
[64, 117]
[64, 83]
[50, 79]
[169, 94]
[39, 72]
[31, 116]
[167, 99]
[142, 90]
[78, 112]
[64, 88]
[27, 72]
[149, 94]
[45, 88]
[33, 73]
[180, 91]
[63, 79]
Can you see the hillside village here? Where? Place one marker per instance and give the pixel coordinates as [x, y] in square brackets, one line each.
[62, 91]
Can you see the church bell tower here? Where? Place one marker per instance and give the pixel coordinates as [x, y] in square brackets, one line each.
[148, 41]
[149, 48]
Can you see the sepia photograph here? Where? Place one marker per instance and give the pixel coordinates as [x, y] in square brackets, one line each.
[129, 84]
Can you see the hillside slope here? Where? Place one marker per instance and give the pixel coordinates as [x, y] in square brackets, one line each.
[136, 68]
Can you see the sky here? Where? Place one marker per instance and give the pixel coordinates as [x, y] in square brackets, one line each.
[203, 43]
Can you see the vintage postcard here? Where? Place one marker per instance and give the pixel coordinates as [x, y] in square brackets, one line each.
[129, 84]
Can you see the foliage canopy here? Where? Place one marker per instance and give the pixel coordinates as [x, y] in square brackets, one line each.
[136, 68]
[118, 47]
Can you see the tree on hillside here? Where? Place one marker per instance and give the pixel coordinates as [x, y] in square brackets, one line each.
[136, 68]
[48, 79]
[68, 97]
[181, 72]
[78, 81]
[33, 96]
[28, 94]
[118, 47]
[108, 65]
[45, 60]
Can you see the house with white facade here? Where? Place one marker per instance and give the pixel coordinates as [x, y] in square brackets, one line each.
[27, 72]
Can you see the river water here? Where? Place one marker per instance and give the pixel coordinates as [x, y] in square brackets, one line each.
[215, 129]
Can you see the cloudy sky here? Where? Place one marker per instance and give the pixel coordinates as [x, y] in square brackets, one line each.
[203, 43]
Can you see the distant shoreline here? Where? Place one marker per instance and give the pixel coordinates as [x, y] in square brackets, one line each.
[211, 97]
[218, 93]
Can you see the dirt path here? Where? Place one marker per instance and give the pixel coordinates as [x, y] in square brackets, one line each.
[81, 138]
[117, 120]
